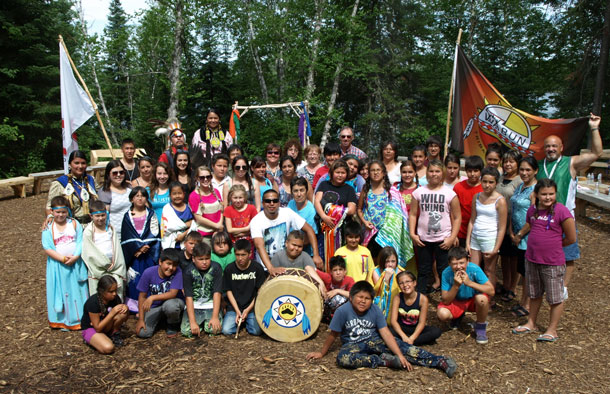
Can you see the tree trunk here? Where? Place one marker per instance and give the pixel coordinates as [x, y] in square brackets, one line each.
[335, 89]
[310, 87]
[109, 127]
[257, 61]
[174, 72]
[603, 64]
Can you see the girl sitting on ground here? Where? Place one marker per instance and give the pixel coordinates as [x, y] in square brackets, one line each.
[103, 316]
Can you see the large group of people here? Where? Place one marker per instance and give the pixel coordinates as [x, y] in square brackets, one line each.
[188, 244]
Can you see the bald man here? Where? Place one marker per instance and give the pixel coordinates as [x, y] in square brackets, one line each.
[563, 170]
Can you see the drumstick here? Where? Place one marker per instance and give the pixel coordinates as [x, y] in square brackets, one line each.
[238, 324]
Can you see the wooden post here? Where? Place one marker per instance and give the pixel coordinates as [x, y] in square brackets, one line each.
[97, 114]
[449, 106]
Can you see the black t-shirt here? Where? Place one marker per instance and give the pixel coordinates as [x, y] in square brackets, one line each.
[93, 306]
[184, 262]
[337, 195]
[243, 284]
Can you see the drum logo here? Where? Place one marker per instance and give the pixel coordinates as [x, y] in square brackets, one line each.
[287, 311]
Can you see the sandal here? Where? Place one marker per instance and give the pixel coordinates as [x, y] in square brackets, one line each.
[547, 338]
[508, 296]
[519, 330]
[519, 311]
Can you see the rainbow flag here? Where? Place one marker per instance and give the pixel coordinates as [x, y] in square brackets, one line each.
[481, 115]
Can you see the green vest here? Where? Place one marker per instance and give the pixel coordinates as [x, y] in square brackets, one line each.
[561, 176]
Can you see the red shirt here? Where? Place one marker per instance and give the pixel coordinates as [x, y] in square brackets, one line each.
[240, 219]
[465, 193]
[321, 172]
[346, 284]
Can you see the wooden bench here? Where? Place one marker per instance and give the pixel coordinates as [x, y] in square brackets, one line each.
[586, 196]
[18, 184]
[98, 154]
[39, 177]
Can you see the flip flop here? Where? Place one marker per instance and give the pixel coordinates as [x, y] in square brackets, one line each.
[519, 330]
[546, 338]
[519, 311]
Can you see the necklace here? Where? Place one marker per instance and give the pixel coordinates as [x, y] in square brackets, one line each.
[550, 176]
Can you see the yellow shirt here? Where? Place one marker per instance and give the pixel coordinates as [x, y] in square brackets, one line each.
[360, 264]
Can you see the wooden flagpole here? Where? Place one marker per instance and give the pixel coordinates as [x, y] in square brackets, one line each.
[449, 106]
[97, 114]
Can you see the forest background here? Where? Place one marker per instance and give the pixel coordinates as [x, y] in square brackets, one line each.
[381, 66]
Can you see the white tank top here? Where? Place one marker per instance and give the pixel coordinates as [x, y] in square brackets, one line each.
[486, 222]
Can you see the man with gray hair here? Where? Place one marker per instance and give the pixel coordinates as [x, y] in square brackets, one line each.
[346, 137]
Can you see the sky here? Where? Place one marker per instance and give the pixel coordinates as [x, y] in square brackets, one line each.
[96, 12]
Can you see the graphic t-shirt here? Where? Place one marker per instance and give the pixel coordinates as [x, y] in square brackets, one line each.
[465, 193]
[201, 285]
[151, 283]
[338, 195]
[356, 328]
[244, 284]
[546, 235]
[434, 222]
[240, 219]
[158, 202]
[359, 262]
[474, 272]
[275, 231]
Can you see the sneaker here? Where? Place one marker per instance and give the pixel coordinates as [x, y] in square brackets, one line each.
[391, 361]
[565, 293]
[480, 330]
[448, 365]
[455, 323]
[117, 340]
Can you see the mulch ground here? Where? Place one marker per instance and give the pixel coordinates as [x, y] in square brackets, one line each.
[38, 359]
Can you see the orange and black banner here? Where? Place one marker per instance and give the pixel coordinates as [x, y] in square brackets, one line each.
[481, 115]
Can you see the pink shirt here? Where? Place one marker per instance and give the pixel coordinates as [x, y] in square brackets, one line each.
[434, 220]
[213, 199]
[545, 237]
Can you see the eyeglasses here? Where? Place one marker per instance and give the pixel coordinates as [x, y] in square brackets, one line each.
[239, 168]
[205, 177]
[117, 173]
[271, 200]
[345, 137]
[273, 152]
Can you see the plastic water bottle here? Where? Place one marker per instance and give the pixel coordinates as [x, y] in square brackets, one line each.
[599, 178]
[589, 179]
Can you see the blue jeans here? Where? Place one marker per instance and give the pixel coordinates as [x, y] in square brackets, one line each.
[367, 354]
[229, 327]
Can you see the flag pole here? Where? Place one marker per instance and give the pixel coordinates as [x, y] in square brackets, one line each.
[97, 114]
[449, 106]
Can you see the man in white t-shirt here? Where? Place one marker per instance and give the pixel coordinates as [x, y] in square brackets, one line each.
[270, 228]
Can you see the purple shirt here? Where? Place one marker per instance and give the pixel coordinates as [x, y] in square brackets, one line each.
[545, 236]
[151, 283]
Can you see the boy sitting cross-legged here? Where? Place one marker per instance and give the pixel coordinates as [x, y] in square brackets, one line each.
[159, 288]
[202, 289]
[465, 287]
[241, 281]
[367, 340]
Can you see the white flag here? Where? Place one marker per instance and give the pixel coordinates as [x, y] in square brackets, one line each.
[76, 107]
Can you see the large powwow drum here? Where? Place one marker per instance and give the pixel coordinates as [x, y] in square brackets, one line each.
[289, 307]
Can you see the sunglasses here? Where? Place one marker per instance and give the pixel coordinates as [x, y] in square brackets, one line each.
[239, 168]
[271, 200]
[117, 173]
[205, 177]
[345, 136]
[273, 152]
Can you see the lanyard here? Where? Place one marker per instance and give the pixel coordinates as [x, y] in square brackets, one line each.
[550, 176]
